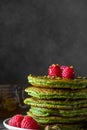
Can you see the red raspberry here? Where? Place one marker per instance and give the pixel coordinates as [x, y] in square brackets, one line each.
[54, 70]
[16, 120]
[68, 73]
[62, 67]
[29, 123]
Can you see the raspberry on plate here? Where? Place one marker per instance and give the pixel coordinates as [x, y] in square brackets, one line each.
[16, 120]
[29, 123]
[68, 73]
[54, 70]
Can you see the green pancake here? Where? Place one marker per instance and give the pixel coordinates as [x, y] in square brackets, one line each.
[63, 127]
[38, 111]
[49, 93]
[57, 119]
[56, 104]
[54, 100]
[57, 82]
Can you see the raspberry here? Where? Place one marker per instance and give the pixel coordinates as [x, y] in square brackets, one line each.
[29, 123]
[68, 73]
[16, 120]
[54, 70]
[62, 67]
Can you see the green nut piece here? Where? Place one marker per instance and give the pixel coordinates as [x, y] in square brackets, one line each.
[54, 127]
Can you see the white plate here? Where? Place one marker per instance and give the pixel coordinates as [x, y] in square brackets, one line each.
[5, 123]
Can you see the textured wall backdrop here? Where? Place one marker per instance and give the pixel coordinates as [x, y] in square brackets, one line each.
[36, 33]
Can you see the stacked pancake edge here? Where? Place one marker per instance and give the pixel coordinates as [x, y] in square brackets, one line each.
[57, 104]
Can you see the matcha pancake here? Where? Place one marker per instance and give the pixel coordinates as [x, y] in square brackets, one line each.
[38, 111]
[62, 127]
[58, 101]
[56, 104]
[57, 119]
[57, 82]
[49, 93]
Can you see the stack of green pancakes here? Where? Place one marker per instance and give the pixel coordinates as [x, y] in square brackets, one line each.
[57, 102]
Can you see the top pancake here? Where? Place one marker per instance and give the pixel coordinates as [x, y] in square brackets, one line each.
[46, 81]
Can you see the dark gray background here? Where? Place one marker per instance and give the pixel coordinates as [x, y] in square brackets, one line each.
[36, 33]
